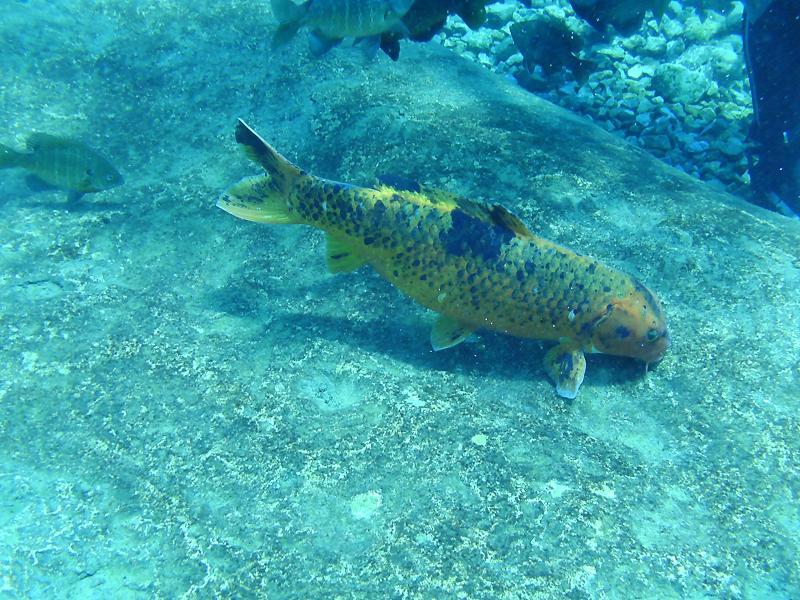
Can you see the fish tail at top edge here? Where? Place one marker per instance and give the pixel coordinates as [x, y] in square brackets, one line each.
[286, 11]
[290, 18]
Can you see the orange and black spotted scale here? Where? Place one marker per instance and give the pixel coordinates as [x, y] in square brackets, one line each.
[476, 265]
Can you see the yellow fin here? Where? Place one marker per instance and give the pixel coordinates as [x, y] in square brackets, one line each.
[255, 199]
[441, 197]
[566, 366]
[341, 257]
[448, 332]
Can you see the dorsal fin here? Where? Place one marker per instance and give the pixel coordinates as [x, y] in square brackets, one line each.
[399, 182]
[414, 191]
[45, 140]
[510, 221]
[440, 196]
[496, 214]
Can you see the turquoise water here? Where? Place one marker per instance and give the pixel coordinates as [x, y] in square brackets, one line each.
[191, 406]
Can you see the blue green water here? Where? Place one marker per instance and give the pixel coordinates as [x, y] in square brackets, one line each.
[191, 406]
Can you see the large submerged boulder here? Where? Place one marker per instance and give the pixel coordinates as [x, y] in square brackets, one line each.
[192, 405]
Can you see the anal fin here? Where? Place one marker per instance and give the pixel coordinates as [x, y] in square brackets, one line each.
[448, 332]
[341, 257]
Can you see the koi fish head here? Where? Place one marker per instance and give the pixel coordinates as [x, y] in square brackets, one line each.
[633, 326]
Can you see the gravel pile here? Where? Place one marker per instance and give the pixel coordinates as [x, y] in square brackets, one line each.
[678, 87]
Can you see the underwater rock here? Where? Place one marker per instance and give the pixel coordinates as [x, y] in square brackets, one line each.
[678, 83]
[149, 452]
[721, 60]
[717, 58]
[499, 14]
[697, 30]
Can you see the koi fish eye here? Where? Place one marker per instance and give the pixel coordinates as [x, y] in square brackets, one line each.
[652, 335]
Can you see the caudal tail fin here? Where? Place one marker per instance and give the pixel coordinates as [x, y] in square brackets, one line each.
[262, 199]
[8, 157]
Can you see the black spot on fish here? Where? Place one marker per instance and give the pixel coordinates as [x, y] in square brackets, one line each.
[378, 211]
[369, 241]
[648, 297]
[468, 234]
[592, 268]
[622, 332]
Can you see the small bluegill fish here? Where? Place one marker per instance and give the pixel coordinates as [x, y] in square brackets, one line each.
[477, 265]
[61, 163]
[426, 18]
[332, 20]
[626, 16]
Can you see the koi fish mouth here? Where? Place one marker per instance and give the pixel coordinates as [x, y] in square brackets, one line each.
[654, 351]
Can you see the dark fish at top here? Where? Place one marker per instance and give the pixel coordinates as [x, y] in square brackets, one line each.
[625, 16]
[61, 163]
[475, 264]
[426, 18]
[330, 21]
[550, 43]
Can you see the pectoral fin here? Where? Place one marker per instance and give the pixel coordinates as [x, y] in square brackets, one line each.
[319, 43]
[74, 197]
[448, 332]
[341, 257]
[566, 366]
